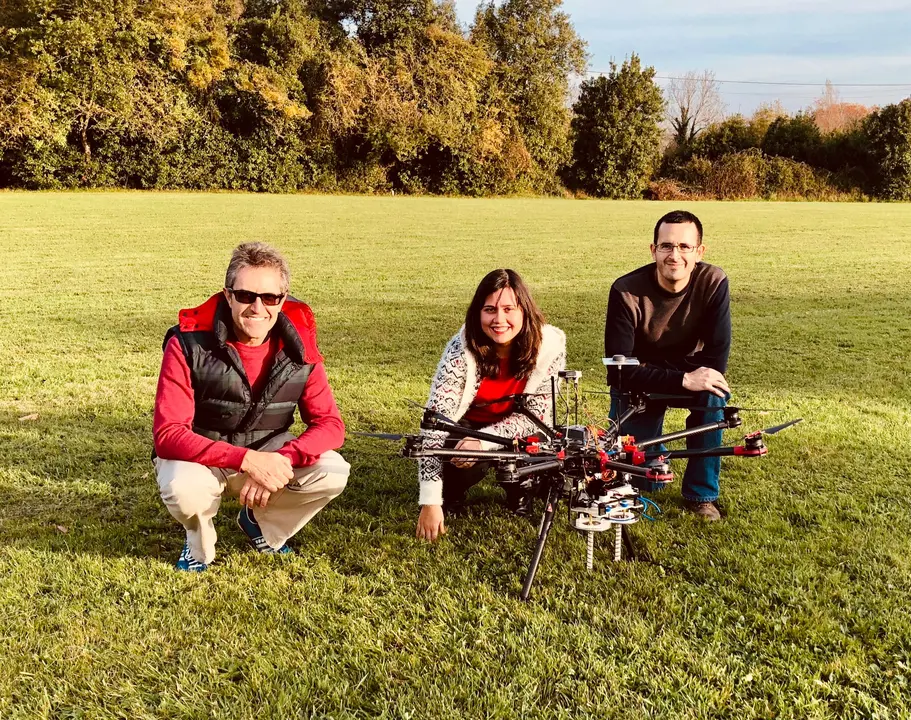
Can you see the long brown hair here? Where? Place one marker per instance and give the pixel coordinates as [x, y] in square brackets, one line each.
[523, 351]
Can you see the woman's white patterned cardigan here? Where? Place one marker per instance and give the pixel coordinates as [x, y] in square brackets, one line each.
[455, 385]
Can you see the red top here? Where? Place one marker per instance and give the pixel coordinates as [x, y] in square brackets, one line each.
[175, 403]
[492, 389]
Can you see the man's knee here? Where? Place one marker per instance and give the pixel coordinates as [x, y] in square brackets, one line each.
[329, 474]
[187, 488]
[710, 399]
[337, 470]
[704, 400]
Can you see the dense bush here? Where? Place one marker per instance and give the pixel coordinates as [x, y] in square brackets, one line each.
[789, 157]
[797, 138]
[751, 174]
[888, 133]
[733, 135]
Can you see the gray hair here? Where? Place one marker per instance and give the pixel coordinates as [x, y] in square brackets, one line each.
[257, 254]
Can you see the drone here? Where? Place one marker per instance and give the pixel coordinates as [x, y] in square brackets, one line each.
[600, 472]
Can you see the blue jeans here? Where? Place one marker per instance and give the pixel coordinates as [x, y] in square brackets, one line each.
[700, 480]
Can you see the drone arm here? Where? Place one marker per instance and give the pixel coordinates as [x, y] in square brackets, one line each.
[523, 409]
[419, 452]
[637, 470]
[536, 401]
[460, 431]
[637, 405]
[537, 468]
[739, 450]
[730, 421]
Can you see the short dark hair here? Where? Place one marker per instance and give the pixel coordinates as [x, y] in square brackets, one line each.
[678, 217]
[524, 349]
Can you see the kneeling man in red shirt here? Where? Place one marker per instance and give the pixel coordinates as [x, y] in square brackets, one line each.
[233, 371]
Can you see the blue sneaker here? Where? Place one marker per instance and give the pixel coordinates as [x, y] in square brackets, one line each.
[254, 533]
[187, 563]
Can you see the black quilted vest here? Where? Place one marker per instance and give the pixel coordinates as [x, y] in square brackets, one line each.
[226, 408]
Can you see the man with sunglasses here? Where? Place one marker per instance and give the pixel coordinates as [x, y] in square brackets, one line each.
[674, 316]
[234, 369]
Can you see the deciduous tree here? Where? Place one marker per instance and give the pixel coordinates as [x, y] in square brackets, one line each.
[693, 103]
[833, 115]
[534, 49]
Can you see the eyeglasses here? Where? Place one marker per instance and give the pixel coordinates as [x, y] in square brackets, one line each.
[247, 297]
[684, 248]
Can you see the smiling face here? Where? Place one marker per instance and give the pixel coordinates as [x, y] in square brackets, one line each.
[674, 266]
[502, 319]
[252, 322]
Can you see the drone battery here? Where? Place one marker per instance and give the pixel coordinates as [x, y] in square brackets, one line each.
[576, 434]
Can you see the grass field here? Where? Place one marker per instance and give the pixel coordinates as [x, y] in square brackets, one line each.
[795, 606]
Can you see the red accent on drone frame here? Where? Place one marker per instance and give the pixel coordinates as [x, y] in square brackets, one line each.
[636, 456]
[750, 452]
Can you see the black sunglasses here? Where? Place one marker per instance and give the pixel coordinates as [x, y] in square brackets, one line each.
[248, 297]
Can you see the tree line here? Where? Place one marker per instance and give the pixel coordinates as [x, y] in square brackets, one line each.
[369, 96]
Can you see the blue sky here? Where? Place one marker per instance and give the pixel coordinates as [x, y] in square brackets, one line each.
[789, 41]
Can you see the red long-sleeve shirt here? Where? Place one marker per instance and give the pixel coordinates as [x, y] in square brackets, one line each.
[175, 406]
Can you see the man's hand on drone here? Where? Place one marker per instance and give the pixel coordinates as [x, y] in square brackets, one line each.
[430, 523]
[706, 379]
[466, 444]
[269, 469]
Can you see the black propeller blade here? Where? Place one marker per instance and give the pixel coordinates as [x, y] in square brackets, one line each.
[654, 397]
[437, 415]
[381, 436]
[729, 407]
[779, 428]
[663, 397]
[514, 396]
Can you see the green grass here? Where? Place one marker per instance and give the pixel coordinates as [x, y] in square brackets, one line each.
[796, 606]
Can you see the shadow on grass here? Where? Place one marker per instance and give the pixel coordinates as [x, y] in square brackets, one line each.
[83, 482]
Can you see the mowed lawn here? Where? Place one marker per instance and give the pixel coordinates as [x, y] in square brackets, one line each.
[795, 606]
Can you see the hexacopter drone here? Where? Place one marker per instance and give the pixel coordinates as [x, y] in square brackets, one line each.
[600, 471]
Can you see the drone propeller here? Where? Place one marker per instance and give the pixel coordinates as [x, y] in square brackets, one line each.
[729, 407]
[664, 397]
[513, 396]
[653, 397]
[381, 436]
[437, 415]
[779, 428]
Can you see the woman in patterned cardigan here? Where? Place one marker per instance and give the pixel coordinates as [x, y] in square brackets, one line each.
[504, 348]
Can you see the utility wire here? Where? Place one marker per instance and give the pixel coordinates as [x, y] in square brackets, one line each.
[763, 82]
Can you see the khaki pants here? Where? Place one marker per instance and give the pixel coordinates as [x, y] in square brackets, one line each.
[192, 494]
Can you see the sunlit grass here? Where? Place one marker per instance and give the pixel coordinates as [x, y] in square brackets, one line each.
[795, 606]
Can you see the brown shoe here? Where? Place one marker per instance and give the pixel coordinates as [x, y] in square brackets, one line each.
[705, 510]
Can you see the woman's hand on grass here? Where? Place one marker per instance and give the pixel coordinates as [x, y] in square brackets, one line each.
[430, 523]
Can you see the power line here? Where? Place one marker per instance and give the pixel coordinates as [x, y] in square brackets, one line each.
[763, 82]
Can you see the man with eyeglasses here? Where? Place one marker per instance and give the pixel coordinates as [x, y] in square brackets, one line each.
[674, 316]
[233, 372]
